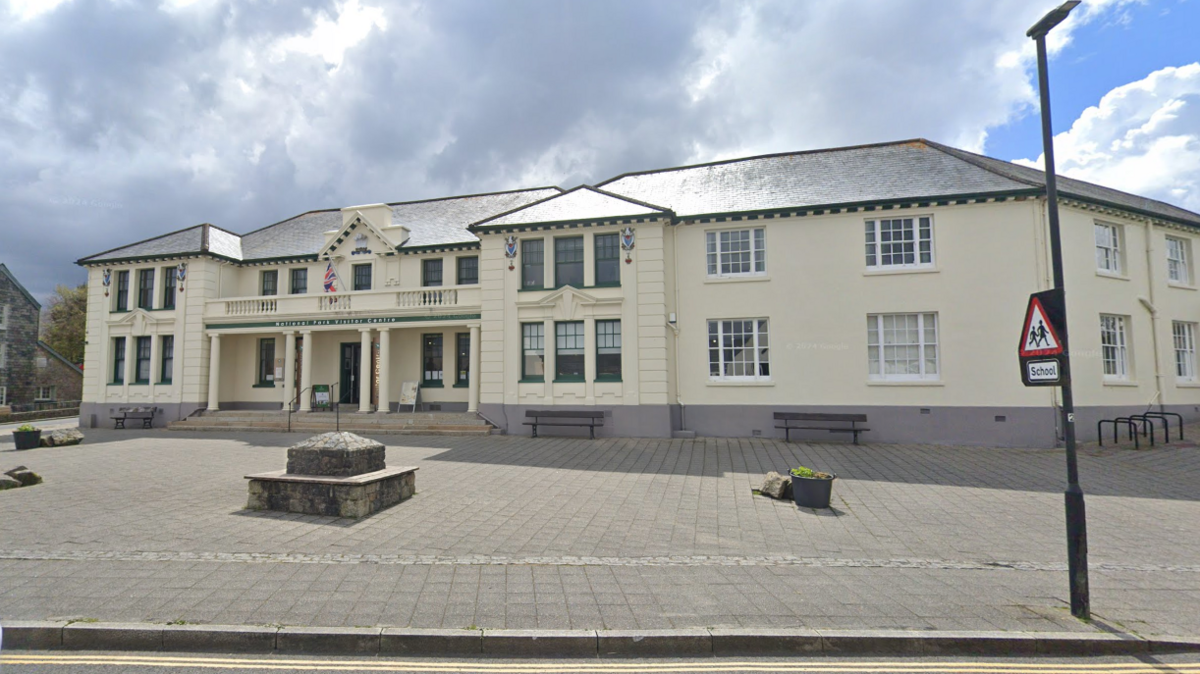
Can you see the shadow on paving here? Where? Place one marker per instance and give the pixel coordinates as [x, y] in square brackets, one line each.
[1159, 472]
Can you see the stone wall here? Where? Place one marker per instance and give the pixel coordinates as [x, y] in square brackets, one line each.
[20, 333]
[334, 500]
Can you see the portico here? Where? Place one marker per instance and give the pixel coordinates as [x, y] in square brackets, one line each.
[267, 368]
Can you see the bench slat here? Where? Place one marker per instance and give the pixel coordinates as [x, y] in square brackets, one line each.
[564, 414]
[580, 424]
[817, 416]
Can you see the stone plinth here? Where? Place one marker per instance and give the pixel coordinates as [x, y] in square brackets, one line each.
[354, 496]
[335, 454]
[335, 474]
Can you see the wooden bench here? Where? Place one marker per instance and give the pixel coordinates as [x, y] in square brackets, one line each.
[146, 414]
[590, 420]
[811, 418]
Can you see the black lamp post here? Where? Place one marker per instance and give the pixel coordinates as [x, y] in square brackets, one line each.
[1076, 515]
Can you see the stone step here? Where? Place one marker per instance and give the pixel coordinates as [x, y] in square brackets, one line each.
[365, 423]
[435, 431]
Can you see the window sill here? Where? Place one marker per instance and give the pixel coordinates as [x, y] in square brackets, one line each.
[1108, 274]
[140, 383]
[532, 380]
[905, 382]
[468, 283]
[432, 384]
[116, 383]
[892, 271]
[569, 380]
[266, 385]
[1181, 286]
[165, 382]
[461, 386]
[119, 311]
[748, 278]
[607, 380]
[1187, 384]
[747, 382]
[1121, 382]
[162, 309]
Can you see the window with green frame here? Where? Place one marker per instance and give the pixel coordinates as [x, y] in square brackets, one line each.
[533, 270]
[462, 359]
[608, 350]
[533, 352]
[568, 351]
[168, 274]
[145, 298]
[266, 362]
[431, 359]
[167, 355]
[270, 282]
[608, 259]
[118, 360]
[141, 373]
[122, 294]
[568, 261]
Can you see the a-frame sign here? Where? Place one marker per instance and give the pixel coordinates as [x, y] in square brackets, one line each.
[1042, 338]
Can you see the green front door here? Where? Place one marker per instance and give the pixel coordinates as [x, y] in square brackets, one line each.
[351, 360]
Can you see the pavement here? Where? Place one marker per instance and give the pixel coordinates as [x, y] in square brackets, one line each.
[509, 533]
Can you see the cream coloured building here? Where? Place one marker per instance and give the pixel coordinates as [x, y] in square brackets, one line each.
[887, 279]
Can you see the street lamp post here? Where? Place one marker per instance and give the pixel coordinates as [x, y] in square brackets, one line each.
[1076, 515]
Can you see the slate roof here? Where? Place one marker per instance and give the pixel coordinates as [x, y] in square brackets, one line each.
[52, 352]
[431, 222]
[445, 221]
[581, 203]
[911, 169]
[17, 284]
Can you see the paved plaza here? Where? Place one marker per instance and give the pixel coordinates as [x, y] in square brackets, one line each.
[508, 532]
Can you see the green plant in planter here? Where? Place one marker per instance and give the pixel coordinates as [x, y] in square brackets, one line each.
[26, 428]
[801, 471]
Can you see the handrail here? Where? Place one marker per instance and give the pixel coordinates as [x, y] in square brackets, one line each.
[296, 400]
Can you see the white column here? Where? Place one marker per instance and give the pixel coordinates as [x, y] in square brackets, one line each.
[473, 376]
[306, 357]
[289, 368]
[385, 369]
[549, 344]
[364, 372]
[214, 372]
[155, 366]
[589, 360]
[130, 363]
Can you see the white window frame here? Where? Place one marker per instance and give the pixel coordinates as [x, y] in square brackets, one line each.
[47, 390]
[3, 396]
[1179, 267]
[761, 349]
[1114, 336]
[1111, 249]
[921, 227]
[715, 258]
[1183, 334]
[877, 356]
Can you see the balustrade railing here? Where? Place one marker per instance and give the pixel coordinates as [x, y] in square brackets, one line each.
[429, 297]
[333, 303]
[254, 307]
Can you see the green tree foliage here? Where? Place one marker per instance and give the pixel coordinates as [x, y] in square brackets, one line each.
[65, 321]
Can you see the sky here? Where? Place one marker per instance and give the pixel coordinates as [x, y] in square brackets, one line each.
[124, 119]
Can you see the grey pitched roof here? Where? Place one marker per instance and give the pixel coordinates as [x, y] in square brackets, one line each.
[579, 204]
[17, 284]
[432, 222]
[445, 221]
[1075, 188]
[846, 175]
[174, 243]
[52, 352]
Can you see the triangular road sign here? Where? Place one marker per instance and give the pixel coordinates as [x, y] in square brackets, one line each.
[1039, 338]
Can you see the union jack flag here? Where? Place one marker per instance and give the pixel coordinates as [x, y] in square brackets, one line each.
[330, 279]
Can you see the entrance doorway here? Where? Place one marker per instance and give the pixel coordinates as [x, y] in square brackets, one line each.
[351, 362]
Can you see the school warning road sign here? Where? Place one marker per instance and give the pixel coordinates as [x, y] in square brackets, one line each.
[1043, 340]
[1041, 337]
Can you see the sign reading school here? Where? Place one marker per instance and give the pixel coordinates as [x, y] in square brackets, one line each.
[1042, 339]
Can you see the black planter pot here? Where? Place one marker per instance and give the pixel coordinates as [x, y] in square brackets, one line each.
[27, 439]
[812, 492]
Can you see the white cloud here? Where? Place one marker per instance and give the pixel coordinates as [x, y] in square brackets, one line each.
[1142, 137]
[330, 39]
[24, 10]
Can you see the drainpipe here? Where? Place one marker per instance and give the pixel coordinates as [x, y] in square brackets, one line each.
[1154, 317]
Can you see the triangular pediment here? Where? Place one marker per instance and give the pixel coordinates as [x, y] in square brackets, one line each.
[138, 319]
[358, 237]
[569, 303]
